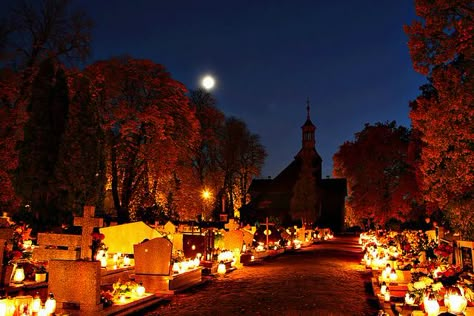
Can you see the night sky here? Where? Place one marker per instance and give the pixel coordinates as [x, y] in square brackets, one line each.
[350, 58]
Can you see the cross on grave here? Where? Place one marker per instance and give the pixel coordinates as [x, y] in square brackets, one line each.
[232, 225]
[267, 232]
[88, 223]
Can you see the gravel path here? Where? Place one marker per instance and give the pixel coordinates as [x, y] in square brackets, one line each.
[324, 279]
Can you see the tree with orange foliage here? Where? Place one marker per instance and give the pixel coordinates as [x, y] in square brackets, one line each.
[32, 32]
[442, 48]
[150, 130]
[381, 182]
[205, 159]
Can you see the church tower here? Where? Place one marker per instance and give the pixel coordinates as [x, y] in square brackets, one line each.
[308, 152]
[308, 128]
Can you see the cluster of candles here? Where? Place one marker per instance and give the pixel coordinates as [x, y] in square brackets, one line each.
[119, 260]
[378, 258]
[27, 305]
[183, 266]
[226, 256]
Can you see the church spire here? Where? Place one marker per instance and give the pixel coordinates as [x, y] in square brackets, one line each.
[308, 129]
[307, 108]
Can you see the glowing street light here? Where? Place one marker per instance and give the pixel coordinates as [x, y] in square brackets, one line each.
[206, 194]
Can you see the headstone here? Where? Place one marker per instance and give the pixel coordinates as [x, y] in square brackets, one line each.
[193, 244]
[169, 228]
[465, 255]
[121, 238]
[248, 237]
[57, 246]
[153, 257]
[233, 240]
[153, 268]
[232, 225]
[76, 283]
[88, 223]
[177, 240]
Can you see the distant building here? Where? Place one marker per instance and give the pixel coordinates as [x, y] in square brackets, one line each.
[298, 194]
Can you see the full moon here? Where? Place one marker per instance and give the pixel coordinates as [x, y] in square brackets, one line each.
[208, 82]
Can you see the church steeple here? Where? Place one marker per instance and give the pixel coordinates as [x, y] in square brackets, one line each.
[308, 129]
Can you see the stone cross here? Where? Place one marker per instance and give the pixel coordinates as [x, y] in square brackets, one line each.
[232, 225]
[88, 223]
[267, 232]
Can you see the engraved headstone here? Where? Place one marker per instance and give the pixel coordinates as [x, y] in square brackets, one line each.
[153, 257]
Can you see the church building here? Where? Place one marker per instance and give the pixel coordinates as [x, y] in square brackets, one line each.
[298, 195]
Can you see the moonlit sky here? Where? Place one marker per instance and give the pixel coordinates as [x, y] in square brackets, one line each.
[350, 58]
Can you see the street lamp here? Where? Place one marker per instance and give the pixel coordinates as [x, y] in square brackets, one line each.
[206, 196]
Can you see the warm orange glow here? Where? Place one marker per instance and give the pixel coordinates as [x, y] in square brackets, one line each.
[206, 194]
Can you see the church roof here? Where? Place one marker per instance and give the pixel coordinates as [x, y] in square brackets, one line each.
[308, 123]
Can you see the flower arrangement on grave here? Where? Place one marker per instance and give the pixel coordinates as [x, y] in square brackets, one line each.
[97, 244]
[442, 252]
[124, 290]
[106, 298]
[18, 249]
[420, 288]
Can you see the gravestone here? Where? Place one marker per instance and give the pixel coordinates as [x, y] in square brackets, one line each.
[88, 222]
[233, 240]
[153, 257]
[168, 228]
[248, 238]
[121, 238]
[153, 268]
[177, 240]
[57, 246]
[232, 225]
[75, 283]
[193, 244]
[464, 253]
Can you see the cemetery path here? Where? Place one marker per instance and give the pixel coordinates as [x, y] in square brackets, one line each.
[323, 279]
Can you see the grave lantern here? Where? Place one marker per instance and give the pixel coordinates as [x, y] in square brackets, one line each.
[19, 275]
[140, 290]
[126, 261]
[36, 305]
[386, 296]
[431, 305]
[393, 275]
[383, 288]
[409, 299]
[221, 269]
[455, 301]
[3, 306]
[50, 305]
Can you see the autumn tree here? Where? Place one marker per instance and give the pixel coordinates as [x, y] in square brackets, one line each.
[206, 153]
[150, 131]
[441, 44]
[32, 33]
[39, 151]
[381, 182]
[81, 168]
[241, 159]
